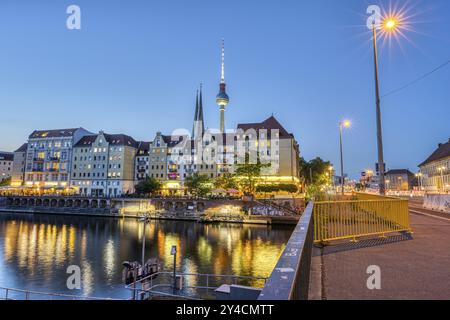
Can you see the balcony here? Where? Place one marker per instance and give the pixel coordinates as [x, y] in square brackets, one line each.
[54, 159]
[141, 170]
[38, 159]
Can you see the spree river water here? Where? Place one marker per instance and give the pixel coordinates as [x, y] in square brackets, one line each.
[36, 250]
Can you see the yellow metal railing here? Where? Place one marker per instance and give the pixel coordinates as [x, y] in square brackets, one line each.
[336, 220]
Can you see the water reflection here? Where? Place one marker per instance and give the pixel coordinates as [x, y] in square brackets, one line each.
[35, 250]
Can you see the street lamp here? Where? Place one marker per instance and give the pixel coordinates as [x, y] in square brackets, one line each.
[331, 169]
[145, 220]
[419, 176]
[173, 251]
[388, 25]
[342, 124]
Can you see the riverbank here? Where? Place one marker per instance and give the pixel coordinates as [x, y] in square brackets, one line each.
[211, 218]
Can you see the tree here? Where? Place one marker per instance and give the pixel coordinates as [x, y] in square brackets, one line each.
[249, 174]
[148, 186]
[315, 171]
[199, 185]
[5, 182]
[226, 181]
[267, 188]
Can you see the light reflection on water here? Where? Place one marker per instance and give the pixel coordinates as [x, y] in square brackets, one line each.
[35, 250]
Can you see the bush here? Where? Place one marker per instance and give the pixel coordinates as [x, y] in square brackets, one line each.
[267, 188]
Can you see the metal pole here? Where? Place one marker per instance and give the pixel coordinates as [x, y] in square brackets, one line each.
[378, 112]
[342, 159]
[174, 271]
[143, 243]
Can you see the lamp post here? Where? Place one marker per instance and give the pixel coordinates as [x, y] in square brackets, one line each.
[145, 220]
[173, 252]
[389, 25]
[419, 180]
[331, 169]
[342, 125]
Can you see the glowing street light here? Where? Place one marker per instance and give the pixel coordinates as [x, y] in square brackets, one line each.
[389, 25]
[419, 176]
[331, 169]
[342, 124]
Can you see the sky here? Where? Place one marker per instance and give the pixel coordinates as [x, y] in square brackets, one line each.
[134, 68]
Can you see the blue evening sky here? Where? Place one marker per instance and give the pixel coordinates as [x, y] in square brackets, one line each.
[135, 65]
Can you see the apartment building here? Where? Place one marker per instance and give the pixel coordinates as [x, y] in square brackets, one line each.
[142, 162]
[18, 170]
[49, 157]
[6, 165]
[104, 165]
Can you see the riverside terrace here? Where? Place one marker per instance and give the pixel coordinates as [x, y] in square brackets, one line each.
[376, 256]
[284, 211]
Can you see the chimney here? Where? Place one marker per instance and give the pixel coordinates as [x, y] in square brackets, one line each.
[439, 145]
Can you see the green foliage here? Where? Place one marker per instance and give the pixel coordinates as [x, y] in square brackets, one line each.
[248, 176]
[316, 174]
[199, 185]
[291, 188]
[5, 182]
[226, 181]
[148, 186]
[315, 171]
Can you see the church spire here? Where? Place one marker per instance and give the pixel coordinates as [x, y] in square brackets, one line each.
[195, 116]
[200, 111]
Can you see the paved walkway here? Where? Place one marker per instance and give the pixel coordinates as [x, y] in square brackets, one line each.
[412, 267]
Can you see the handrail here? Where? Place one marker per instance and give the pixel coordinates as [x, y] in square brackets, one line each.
[368, 216]
[27, 294]
[148, 284]
[208, 275]
[290, 278]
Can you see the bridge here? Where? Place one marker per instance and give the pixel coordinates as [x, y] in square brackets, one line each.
[337, 245]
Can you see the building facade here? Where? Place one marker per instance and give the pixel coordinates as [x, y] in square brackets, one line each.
[142, 162]
[6, 165]
[103, 165]
[49, 157]
[275, 145]
[18, 171]
[400, 180]
[435, 170]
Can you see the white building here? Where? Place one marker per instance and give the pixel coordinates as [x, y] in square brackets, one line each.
[104, 165]
[435, 170]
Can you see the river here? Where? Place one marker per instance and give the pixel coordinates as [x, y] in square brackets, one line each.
[36, 250]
